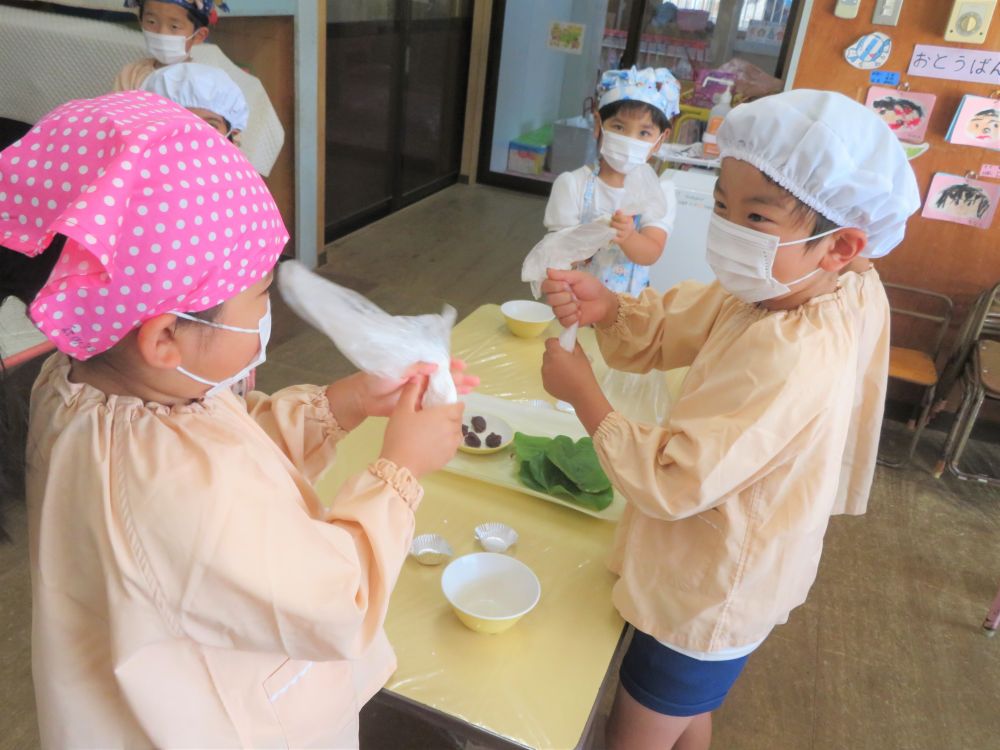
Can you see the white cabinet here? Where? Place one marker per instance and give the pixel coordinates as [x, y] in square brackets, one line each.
[684, 256]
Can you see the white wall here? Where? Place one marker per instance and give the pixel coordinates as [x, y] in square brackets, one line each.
[529, 91]
[581, 71]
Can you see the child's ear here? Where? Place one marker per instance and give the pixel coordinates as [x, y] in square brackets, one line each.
[846, 246]
[200, 35]
[157, 342]
[597, 125]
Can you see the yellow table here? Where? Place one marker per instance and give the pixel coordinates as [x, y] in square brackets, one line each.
[510, 367]
[535, 685]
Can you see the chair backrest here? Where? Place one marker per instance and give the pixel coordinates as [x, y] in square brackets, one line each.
[982, 320]
[990, 325]
[941, 309]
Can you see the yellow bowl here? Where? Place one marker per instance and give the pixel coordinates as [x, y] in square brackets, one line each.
[526, 318]
[490, 592]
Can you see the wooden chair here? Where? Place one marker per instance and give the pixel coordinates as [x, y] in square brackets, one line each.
[981, 381]
[918, 366]
[982, 322]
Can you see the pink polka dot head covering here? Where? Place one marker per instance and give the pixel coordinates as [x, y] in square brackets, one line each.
[160, 212]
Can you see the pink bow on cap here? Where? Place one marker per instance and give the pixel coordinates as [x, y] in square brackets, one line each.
[161, 213]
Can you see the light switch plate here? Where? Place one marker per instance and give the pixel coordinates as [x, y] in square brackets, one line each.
[847, 8]
[887, 12]
[969, 21]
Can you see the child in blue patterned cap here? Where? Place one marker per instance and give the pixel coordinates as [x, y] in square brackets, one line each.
[171, 28]
[633, 119]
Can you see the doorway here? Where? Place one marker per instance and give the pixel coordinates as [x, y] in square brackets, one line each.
[545, 60]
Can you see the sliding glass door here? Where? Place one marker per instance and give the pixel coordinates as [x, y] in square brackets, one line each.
[397, 72]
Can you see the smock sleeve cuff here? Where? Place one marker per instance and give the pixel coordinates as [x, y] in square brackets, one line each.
[400, 479]
[626, 305]
[606, 429]
[324, 414]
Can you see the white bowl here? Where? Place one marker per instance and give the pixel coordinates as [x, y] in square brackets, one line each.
[490, 592]
[526, 318]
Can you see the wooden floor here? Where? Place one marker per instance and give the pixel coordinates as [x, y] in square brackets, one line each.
[885, 655]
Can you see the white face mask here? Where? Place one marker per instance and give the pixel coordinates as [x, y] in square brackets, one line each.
[743, 260]
[167, 48]
[623, 154]
[263, 330]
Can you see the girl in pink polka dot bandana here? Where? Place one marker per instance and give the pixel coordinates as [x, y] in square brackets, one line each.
[157, 217]
[189, 587]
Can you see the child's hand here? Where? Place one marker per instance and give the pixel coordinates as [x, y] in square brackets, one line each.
[422, 440]
[463, 382]
[379, 396]
[624, 225]
[568, 375]
[578, 297]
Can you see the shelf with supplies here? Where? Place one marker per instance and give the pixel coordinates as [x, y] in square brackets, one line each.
[690, 154]
[661, 45]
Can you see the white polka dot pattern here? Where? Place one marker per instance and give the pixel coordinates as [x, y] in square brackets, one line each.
[161, 213]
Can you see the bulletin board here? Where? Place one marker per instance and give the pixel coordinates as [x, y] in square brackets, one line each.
[953, 259]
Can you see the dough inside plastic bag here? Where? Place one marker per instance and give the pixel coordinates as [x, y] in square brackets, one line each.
[374, 341]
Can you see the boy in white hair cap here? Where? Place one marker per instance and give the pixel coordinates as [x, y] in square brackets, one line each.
[207, 91]
[729, 501]
[633, 119]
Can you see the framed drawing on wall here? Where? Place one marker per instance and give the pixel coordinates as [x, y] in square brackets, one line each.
[976, 123]
[962, 200]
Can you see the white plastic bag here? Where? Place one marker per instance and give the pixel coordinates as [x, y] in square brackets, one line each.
[375, 342]
[561, 249]
[644, 194]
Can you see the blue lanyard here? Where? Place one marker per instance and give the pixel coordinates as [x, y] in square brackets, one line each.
[587, 213]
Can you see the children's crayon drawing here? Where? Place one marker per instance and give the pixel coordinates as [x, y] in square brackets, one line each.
[907, 113]
[962, 200]
[976, 123]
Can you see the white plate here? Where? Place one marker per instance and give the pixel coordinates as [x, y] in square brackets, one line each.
[501, 467]
[496, 424]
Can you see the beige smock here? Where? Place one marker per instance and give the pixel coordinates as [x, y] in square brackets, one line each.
[729, 501]
[132, 75]
[861, 451]
[189, 588]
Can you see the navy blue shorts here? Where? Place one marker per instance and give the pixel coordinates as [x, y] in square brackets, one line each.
[670, 683]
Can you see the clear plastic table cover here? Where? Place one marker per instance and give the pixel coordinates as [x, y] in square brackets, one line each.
[510, 367]
[536, 684]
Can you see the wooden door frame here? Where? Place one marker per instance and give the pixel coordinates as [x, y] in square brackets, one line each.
[308, 21]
